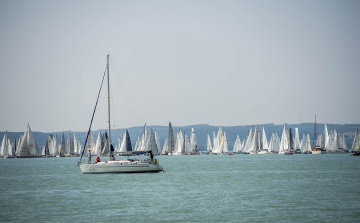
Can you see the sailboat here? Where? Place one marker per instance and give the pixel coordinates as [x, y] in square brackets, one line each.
[6, 150]
[118, 166]
[27, 148]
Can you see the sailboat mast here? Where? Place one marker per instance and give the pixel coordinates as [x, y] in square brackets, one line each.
[315, 133]
[109, 138]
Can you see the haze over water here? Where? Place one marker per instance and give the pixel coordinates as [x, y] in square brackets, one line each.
[206, 188]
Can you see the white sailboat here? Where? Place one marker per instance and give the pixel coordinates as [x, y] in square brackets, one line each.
[157, 139]
[264, 143]
[27, 148]
[297, 140]
[97, 148]
[208, 144]
[237, 145]
[355, 148]
[193, 143]
[169, 145]
[284, 144]
[120, 166]
[6, 150]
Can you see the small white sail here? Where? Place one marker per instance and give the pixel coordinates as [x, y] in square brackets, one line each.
[90, 142]
[320, 141]
[157, 141]
[187, 144]
[31, 143]
[344, 142]
[237, 144]
[297, 140]
[326, 137]
[215, 142]
[76, 149]
[308, 145]
[126, 143]
[264, 140]
[164, 150]
[152, 142]
[356, 143]
[4, 145]
[284, 144]
[62, 145]
[208, 143]
[193, 142]
[333, 145]
[97, 148]
[170, 140]
[225, 149]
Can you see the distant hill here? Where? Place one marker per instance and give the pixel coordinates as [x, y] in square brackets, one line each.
[201, 130]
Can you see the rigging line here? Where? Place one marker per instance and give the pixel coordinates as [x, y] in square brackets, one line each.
[126, 103]
[87, 136]
[126, 93]
[113, 111]
[121, 88]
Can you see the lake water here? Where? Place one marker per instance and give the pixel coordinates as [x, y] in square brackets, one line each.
[205, 188]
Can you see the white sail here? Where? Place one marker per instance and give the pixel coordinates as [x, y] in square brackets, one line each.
[97, 148]
[24, 146]
[333, 145]
[76, 149]
[187, 144]
[118, 144]
[284, 144]
[320, 141]
[308, 145]
[264, 140]
[237, 144]
[90, 143]
[152, 143]
[356, 143]
[54, 146]
[10, 148]
[193, 142]
[274, 144]
[326, 137]
[297, 140]
[215, 148]
[344, 143]
[179, 142]
[126, 143]
[225, 149]
[31, 142]
[220, 138]
[208, 143]
[27, 146]
[164, 150]
[249, 141]
[43, 151]
[62, 145]
[157, 141]
[4, 145]
[170, 139]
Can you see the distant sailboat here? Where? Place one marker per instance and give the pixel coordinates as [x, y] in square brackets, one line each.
[237, 145]
[6, 150]
[27, 148]
[62, 147]
[208, 144]
[355, 148]
[284, 144]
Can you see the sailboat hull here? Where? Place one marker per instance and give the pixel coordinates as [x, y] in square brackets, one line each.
[119, 168]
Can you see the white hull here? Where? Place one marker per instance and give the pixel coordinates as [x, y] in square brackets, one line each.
[121, 166]
[318, 152]
[262, 152]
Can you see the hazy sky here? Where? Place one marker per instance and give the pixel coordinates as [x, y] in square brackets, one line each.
[189, 62]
